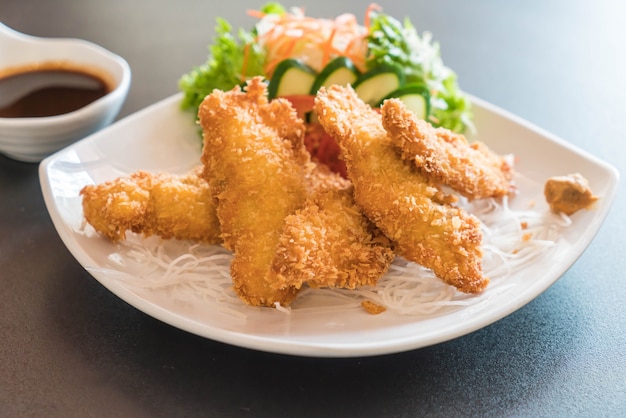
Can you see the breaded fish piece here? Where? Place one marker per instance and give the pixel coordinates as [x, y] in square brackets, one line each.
[409, 209]
[163, 204]
[446, 157]
[322, 178]
[329, 242]
[256, 163]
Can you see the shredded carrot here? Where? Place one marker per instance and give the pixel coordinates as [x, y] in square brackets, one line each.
[328, 47]
[283, 50]
[256, 13]
[371, 8]
[356, 55]
[314, 41]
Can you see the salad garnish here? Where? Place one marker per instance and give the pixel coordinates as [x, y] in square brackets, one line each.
[382, 49]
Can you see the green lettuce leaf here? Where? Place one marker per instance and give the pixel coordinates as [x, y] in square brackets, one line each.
[393, 42]
[224, 66]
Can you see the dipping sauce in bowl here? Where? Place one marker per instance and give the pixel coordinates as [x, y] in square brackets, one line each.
[49, 89]
[55, 91]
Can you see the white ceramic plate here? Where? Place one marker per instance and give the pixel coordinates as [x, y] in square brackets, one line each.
[162, 138]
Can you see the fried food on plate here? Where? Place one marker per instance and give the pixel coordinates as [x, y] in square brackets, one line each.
[446, 157]
[322, 177]
[409, 209]
[330, 243]
[167, 205]
[256, 163]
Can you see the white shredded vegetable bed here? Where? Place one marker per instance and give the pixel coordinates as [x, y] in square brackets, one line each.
[512, 239]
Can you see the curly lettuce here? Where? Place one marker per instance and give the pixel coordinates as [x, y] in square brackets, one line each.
[396, 43]
[223, 69]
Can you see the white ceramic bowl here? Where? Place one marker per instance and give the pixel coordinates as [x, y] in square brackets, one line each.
[33, 138]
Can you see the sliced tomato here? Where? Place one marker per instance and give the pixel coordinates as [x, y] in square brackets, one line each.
[324, 149]
[303, 103]
[328, 153]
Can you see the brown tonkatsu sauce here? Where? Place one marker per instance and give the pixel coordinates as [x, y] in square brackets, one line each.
[48, 91]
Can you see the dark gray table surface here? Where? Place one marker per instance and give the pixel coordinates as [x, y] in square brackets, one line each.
[68, 347]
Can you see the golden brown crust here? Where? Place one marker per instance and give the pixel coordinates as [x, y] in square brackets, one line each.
[330, 243]
[405, 205]
[255, 160]
[372, 308]
[446, 157]
[288, 221]
[167, 205]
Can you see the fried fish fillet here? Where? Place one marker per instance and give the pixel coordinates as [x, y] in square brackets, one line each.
[163, 204]
[329, 242]
[322, 177]
[446, 157]
[409, 209]
[256, 163]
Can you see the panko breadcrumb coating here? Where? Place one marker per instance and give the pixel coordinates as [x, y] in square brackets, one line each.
[256, 163]
[446, 157]
[330, 243]
[410, 210]
[163, 204]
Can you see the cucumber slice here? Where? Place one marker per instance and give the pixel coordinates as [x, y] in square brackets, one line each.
[340, 71]
[415, 97]
[291, 77]
[376, 84]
